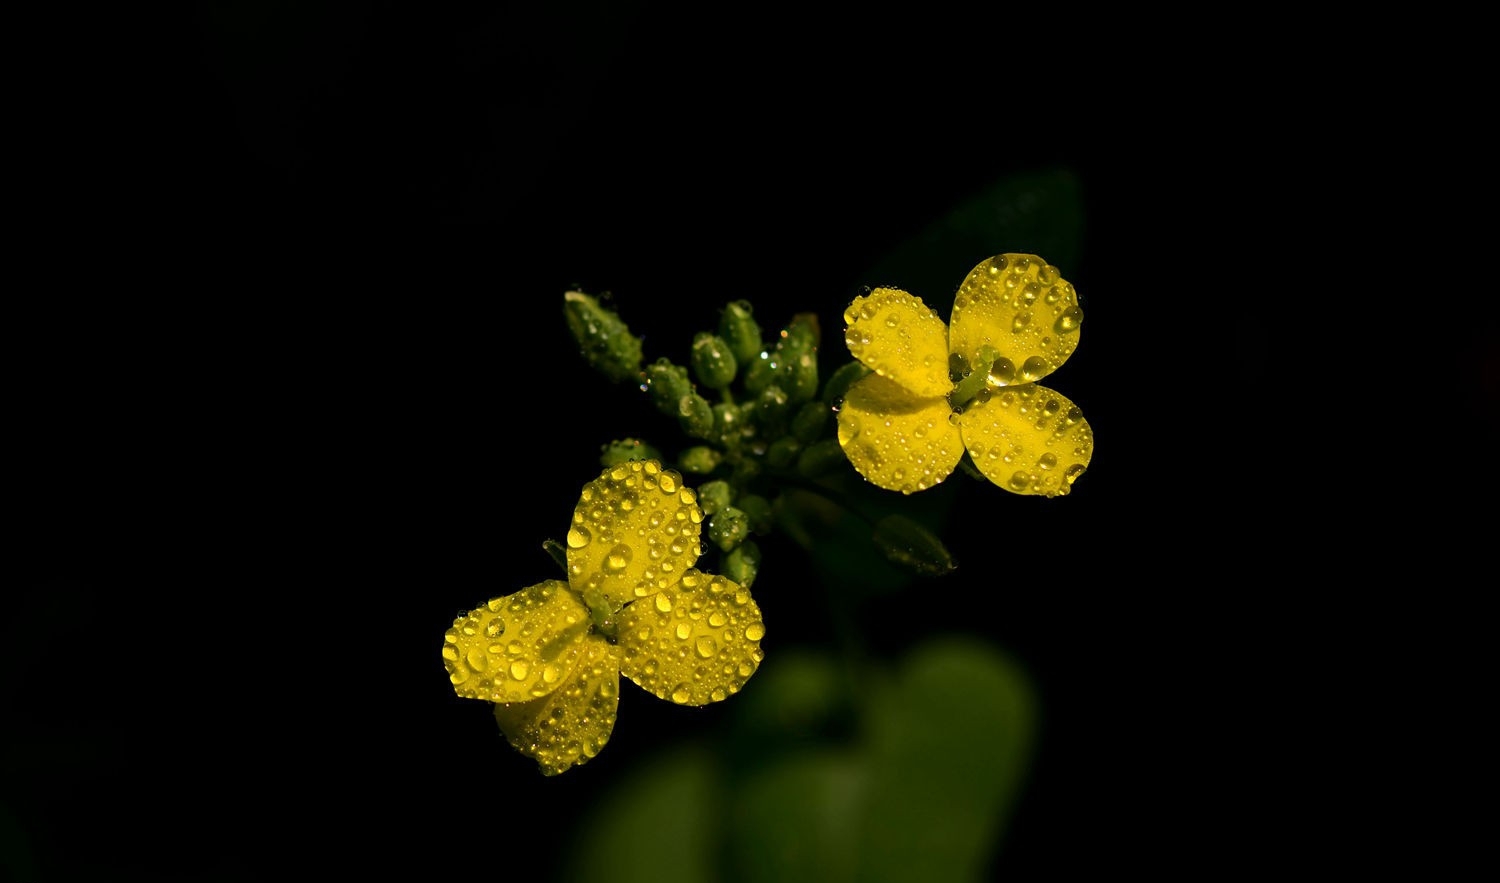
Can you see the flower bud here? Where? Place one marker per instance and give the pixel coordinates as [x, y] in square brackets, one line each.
[783, 452]
[624, 449]
[713, 364]
[743, 563]
[809, 421]
[728, 527]
[740, 331]
[758, 510]
[604, 340]
[821, 458]
[699, 460]
[695, 415]
[714, 495]
[771, 408]
[667, 383]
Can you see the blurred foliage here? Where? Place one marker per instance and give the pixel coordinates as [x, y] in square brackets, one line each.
[917, 785]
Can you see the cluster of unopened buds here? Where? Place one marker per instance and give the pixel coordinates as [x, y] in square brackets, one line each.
[919, 400]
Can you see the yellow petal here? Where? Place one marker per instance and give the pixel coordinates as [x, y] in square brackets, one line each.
[571, 724]
[517, 647]
[897, 336]
[1028, 439]
[895, 440]
[1020, 306]
[694, 643]
[634, 532]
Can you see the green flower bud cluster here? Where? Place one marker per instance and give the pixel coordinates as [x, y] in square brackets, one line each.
[757, 422]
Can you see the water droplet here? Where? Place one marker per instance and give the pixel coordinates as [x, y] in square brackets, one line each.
[1020, 481]
[667, 482]
[1047, 461]
[477, 660]
[458, 675]
[1069, 321]
[1072, 473]
[618, 557]
[681, 694]
[684, 631]
[1002, 372]
[1019, 323]
[706, 647]
[663, 603]
[495, 629]
[450, 653]
[579, 537]
[1035, 368]
[551, 673]
[755, 631]
[519, 669]
[717, 619]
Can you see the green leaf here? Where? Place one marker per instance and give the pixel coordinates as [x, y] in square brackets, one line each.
[950, 742]
[912, 546]
[657, 825]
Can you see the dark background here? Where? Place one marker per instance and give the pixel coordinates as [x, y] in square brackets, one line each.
[294, 388]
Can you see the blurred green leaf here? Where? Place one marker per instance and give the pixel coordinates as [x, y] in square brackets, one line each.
[657, 825]
[1037, 213]
[950, 741]
[796, 821]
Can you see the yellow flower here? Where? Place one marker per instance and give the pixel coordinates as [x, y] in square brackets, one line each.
[550, 656]
[938, 390]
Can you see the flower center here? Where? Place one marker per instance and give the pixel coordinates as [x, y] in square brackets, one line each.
[971, 381]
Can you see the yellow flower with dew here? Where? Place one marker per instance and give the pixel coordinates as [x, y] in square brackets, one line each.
[936, 391]
[550, 656]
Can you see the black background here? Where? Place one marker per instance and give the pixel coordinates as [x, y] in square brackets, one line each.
[294, 387]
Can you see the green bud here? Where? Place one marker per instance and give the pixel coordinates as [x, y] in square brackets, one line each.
[715, 495]
[743, 563]
[912, 546]
[783, 452]
[728, 424]
[745, 471]
[728, 527]
[740, 331]
[696, 415]
[626, 449]
[839, 383]
[761, 371]
[771, 409]
[713, 364]
[802, 334]
[808, 422]
[800, 376]
[667, 383]
[603, 339]
[700, 460]
[758, 510]
[821, 458]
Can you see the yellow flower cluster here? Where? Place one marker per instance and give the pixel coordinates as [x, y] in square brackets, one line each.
[938, 390]
[550, 656]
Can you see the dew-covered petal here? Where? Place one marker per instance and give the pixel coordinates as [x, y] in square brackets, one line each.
[1020, 306]
[517, 647]
[634, 532]
[570, 725]
[897, 336]
[693, 643]
[1028, 439]
[897, 441]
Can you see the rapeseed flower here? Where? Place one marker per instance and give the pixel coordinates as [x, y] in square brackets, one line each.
[936, 391]
[550, 656]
